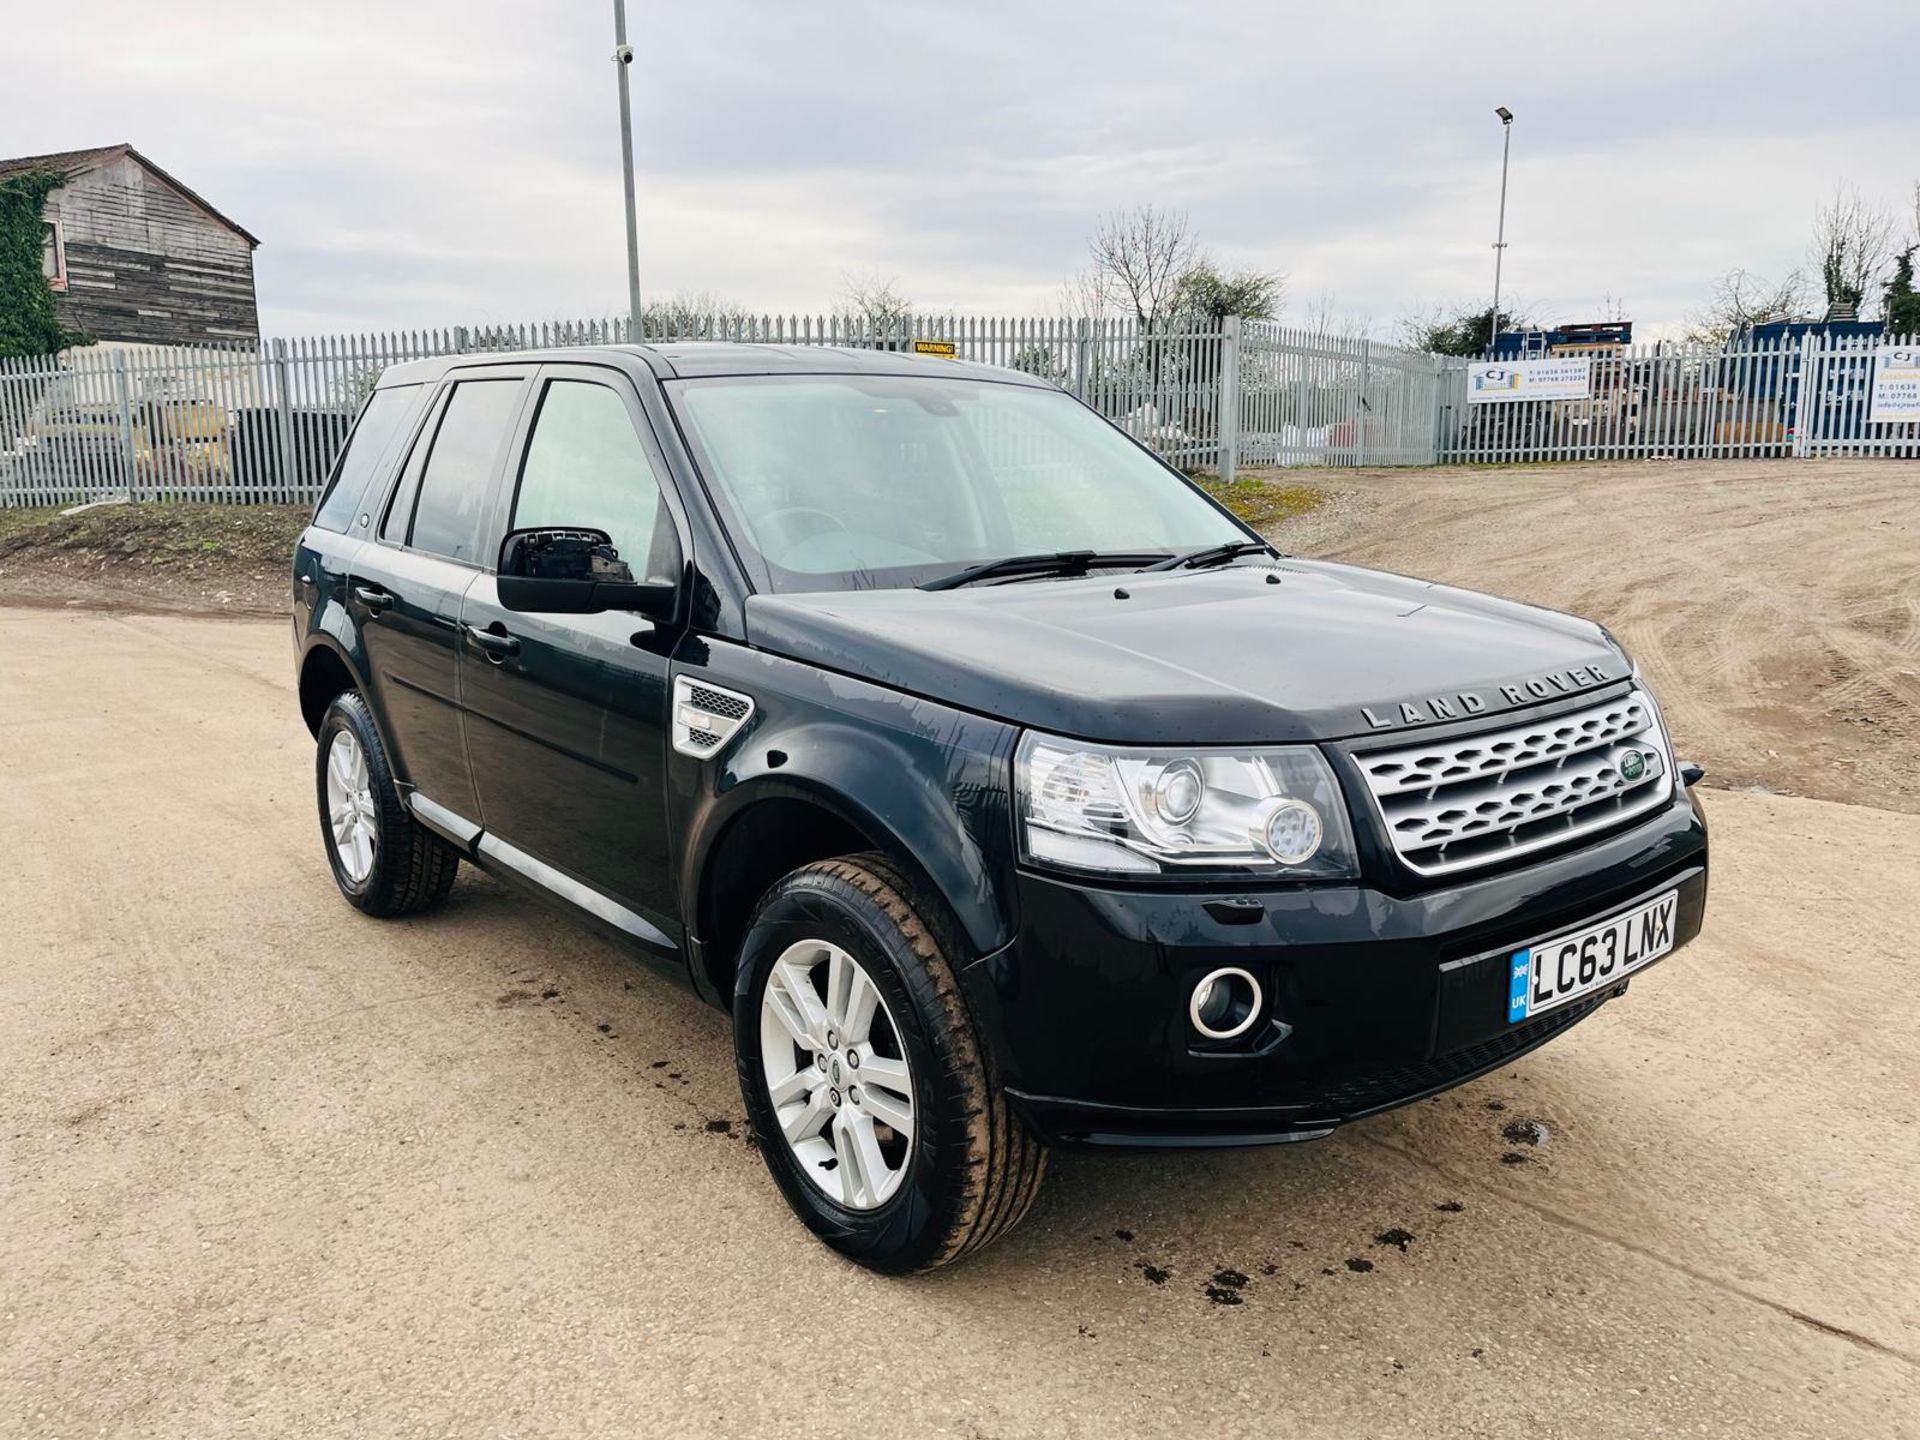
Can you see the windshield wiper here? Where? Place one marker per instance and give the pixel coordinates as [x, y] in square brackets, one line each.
[1213, 555]
[1058, 562]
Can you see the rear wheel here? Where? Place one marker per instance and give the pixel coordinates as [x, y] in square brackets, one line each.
[867, 1086]
[384, 861]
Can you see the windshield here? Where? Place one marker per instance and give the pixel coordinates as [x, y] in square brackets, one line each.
[842, 482]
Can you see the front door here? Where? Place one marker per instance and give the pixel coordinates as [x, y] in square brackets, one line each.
[567, 714]
[405, 590]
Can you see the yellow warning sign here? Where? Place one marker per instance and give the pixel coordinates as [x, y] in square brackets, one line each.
[943, 348]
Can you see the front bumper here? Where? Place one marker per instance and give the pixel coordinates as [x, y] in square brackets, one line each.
[1373, 998]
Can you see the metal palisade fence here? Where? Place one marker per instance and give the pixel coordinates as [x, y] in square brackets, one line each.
[263, 423]
[1791, 395]
[1316, 399]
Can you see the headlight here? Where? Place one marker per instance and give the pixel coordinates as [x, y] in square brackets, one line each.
[1194, 813]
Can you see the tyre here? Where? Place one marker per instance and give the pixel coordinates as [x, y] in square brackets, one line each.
[384, 861]
[869, 1091]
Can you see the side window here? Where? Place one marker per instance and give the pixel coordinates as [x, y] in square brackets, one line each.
[453, 486]
[586, 467]
[380, 425]
[53, 256]
[393, 526]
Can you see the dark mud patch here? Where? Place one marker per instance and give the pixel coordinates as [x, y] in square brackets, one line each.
[1525, 1132]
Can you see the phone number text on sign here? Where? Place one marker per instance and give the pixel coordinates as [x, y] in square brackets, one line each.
[1896, 385]
[1493, 382]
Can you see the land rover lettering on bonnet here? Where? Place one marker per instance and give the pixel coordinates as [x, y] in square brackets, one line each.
[1005, 790]
[1473, 702]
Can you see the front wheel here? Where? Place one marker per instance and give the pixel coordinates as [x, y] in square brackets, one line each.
[868, 1089]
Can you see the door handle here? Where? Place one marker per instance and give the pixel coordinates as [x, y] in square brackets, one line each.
[497, 646]
[373, 597]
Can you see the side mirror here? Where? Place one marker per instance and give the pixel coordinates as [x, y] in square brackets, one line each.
[575, 572]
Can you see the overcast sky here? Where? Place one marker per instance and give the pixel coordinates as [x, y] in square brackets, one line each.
[432, 163]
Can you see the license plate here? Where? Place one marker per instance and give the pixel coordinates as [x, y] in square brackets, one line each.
[1565, 968]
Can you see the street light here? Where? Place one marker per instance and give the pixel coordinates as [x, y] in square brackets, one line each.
[623, 57]
[1500, 244]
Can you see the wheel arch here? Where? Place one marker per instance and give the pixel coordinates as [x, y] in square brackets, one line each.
[325, 673]
[769, 827]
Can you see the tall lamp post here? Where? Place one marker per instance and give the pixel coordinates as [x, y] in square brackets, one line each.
[1500, 242]
[623, 58]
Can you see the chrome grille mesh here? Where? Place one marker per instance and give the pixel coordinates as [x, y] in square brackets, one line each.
[718, 702]
[705, 717]
[1478, 799]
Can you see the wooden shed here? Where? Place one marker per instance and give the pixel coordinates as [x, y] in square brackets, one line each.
[135, 256]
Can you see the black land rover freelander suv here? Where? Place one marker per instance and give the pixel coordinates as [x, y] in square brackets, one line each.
[1008, 790]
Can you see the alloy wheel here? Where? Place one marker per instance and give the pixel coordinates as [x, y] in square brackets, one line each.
[351, 817]
[837, 1074]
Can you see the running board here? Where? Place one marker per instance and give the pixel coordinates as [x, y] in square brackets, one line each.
[476, 844]
[444, 823]
[584, 897]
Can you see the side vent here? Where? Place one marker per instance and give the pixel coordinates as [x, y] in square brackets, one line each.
[706, 717]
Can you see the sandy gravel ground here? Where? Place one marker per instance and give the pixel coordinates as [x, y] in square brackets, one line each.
[268, 1167]
[1775, 605]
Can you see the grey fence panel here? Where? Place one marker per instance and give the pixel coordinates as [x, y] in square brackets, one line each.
[1745, 400]
[1317, 399]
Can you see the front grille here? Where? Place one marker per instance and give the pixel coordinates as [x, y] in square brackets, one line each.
[1345, 1099]
[1479, 799]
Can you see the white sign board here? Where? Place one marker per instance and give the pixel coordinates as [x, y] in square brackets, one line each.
[1896, 385]
[1493, 382]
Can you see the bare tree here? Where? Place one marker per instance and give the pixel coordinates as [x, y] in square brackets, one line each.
[1140, 257]
[1740, 299]
[1851, 238]
[1325, 317]
[1323, 312]
[690, 314]
[872, 300]
[1083, 296]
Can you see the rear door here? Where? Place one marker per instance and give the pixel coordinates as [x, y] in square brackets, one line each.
[342, 520]
[566, 714]
[406, 588]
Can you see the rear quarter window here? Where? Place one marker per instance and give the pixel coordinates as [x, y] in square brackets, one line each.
[387, 416]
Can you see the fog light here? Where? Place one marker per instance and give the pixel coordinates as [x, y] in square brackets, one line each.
[1225, 1004]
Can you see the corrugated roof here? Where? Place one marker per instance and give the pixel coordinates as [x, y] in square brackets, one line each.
[75, 161]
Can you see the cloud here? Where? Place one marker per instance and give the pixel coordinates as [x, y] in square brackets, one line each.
[433, 163]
